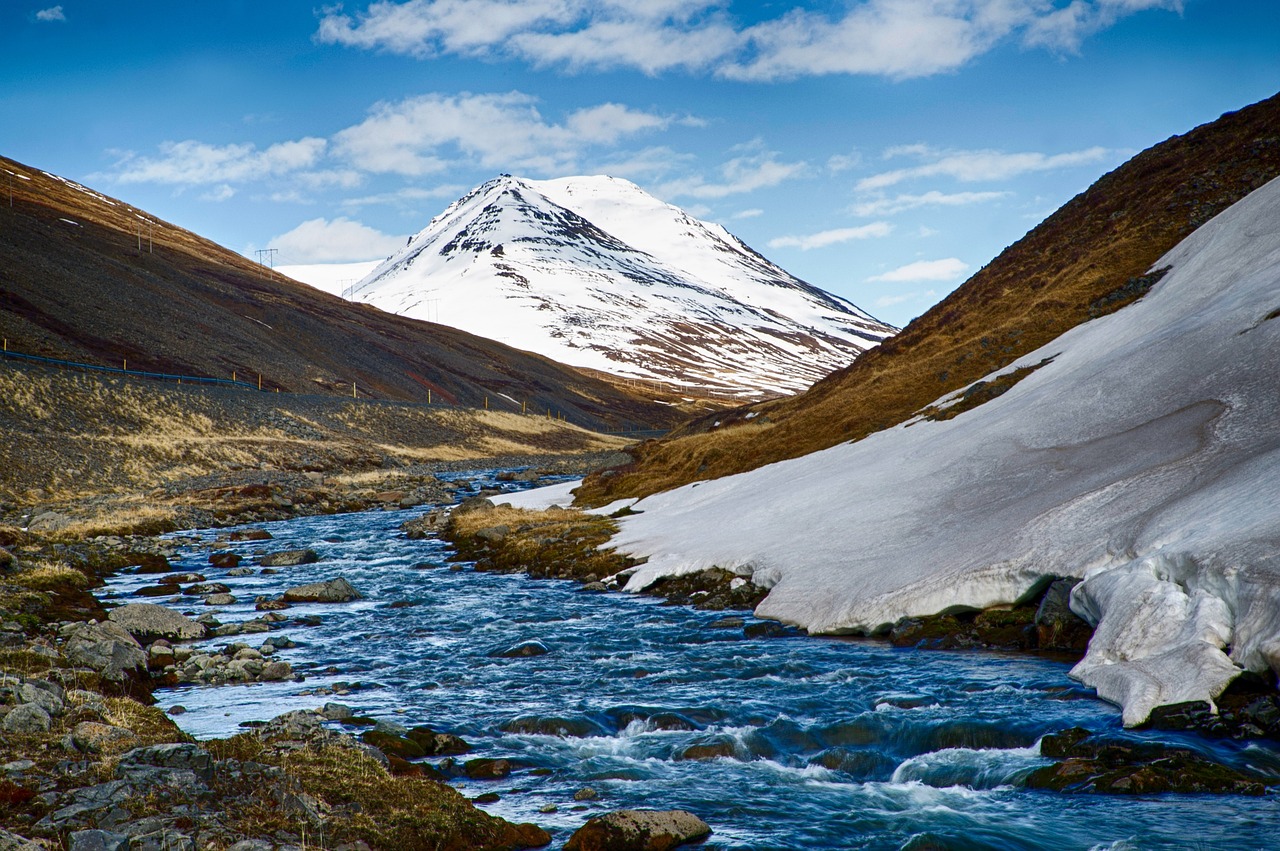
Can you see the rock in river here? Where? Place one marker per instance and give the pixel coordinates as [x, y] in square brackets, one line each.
[638, 830]
[337, 590]
[289, 558]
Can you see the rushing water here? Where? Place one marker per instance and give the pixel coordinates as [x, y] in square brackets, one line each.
[836, 743]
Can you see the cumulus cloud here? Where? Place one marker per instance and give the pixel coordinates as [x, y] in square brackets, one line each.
[832, 237]
[338, 241]
[893, 38]
[53, 13]
[902, 203]
[418, 136]
[193, 163]
[972, 166]
[949, 269]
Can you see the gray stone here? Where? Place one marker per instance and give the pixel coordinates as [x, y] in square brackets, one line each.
[26, 718]
[106, 648]
[337, 590]
[14, 842]
[524, 649]
[289, 558]
[336, 712]
[182, 756]
[92, 737]
[48, 521]
[219, 600]
[162, 840]
[97, 840]
[252, 845]
[638, 830]
[46, 694]
[147, 621]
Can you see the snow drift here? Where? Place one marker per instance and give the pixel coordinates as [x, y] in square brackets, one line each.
[1143, 457]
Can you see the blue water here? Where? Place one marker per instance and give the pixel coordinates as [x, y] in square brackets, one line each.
[836, 743]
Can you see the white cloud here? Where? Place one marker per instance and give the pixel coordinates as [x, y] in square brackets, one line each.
[949, 269]
[338, 241]
[420, 135]
[648, 162]
[902, 203]
[221, 193]
[194, 163]
[747, 214]
[893, 38]
[755, 169]
[832, 237]
[972, 166]
[844, 162]
[53, 13]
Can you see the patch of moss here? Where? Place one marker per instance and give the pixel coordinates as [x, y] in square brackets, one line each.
[980, 392]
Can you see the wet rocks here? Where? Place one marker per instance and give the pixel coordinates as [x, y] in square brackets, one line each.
[713, 588]
[337, 590]
[147, 622]
[224, 559]
[638, 830]
[437, 744]
[523, 650]
[1090, 764]
[289, 558]
[426, 525]
[1057, 627]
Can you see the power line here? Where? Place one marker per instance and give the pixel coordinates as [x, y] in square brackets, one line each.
[271, 259]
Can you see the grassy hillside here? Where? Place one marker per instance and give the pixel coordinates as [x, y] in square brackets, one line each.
[89, 278]
[1089, 258]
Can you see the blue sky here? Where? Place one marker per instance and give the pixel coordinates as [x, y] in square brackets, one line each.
[881, 149]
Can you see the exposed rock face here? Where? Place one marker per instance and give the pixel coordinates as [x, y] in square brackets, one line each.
[147, 622]
[337, 590]
[289, 558]
[638, 830]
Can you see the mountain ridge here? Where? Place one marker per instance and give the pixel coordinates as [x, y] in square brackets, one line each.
[595, 272]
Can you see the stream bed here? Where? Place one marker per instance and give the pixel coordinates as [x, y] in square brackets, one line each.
[807, 743]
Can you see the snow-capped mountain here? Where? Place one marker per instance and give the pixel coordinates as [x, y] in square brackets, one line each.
[594, 272]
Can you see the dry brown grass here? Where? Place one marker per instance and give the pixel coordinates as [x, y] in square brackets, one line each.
[1048, 282]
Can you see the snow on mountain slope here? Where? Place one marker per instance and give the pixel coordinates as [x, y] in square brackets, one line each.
[1143, 457]
[333, 278]
[594, 272]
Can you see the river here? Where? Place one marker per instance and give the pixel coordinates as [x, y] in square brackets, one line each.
[835, 743]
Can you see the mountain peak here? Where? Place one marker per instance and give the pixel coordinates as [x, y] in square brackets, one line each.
[595, 272]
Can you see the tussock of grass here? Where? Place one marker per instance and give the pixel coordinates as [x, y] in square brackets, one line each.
[50, 577]
[556, 543]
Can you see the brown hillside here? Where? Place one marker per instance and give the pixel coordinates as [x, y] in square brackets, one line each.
[1086, 259]
[89, 278]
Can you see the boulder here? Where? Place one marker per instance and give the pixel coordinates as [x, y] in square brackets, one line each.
[638, 830]
[289, 558]
[147, 622]
[337, 590]
[98, 840]
[250, 535]
[26, 718]
[219, 600]
[106, 647]
[224, 559]
[523, 649]
[424, 526]
[437, 744]
[93, 737]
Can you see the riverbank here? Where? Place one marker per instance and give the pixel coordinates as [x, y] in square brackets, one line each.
[86, 758]
[571, 544]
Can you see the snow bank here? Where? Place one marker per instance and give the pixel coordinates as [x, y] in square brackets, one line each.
[1144, 458]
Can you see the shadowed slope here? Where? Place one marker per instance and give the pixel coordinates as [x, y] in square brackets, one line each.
[89, 278]
[1090, 257]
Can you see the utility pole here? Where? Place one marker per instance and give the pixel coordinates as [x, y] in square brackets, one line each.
[270, 262]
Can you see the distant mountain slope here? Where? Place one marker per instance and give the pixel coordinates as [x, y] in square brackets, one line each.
[594, 272]
[1089, 258]
[90, 278]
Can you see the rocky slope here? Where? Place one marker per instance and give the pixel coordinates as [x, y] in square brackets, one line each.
[1089, 258]
[85, 277]
[594, 272]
